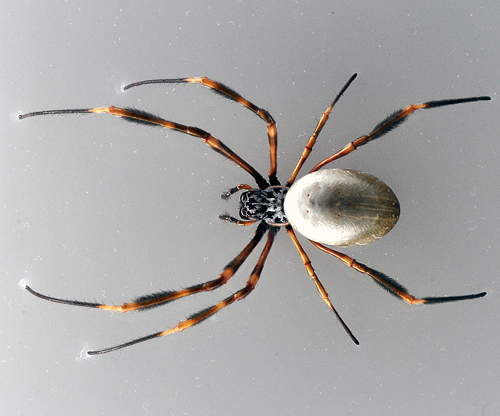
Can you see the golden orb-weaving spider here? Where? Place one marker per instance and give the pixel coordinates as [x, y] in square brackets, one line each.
[340, 207]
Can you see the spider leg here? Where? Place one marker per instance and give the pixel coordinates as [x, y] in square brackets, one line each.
[391, 285]
[392, 122]
[206, 313]
[312, 140]
[161, 298]
[319, 286]
[142, 117]
[232, 95]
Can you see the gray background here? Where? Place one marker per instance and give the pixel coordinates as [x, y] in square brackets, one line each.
[94, 208]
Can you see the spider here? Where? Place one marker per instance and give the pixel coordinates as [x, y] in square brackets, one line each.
[338, 207]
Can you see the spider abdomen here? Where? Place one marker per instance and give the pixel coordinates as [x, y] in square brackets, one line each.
[341, 207]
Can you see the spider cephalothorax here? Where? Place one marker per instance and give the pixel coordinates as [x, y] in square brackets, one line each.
[344, 208]
[264, 204]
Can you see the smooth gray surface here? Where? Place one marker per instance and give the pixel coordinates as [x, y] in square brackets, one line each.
[94, 208]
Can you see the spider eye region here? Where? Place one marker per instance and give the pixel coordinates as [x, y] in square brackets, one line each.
[264, 205]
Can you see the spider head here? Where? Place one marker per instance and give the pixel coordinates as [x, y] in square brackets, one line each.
[264, 205]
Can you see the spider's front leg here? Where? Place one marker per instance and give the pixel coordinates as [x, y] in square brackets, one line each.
[143, 117]
[231, 94]
[208, 312]
[161, 298]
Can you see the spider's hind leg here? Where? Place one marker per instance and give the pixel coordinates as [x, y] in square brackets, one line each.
[391, 285]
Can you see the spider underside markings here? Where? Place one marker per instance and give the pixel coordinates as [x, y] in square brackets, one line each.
[262, 205]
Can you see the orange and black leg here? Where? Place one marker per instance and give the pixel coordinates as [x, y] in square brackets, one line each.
[312, 140]
[206, 313]
[391, 122]
[143, 117]
[319, 286]
[391, 285]
[232, 95]
[161, 298]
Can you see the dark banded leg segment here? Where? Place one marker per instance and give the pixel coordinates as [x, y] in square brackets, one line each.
[391, 285]
[392, 122]
[312, 140]
[206, 313]
[161, 298]
[319, 286]
[143, 117]
[232, 95]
